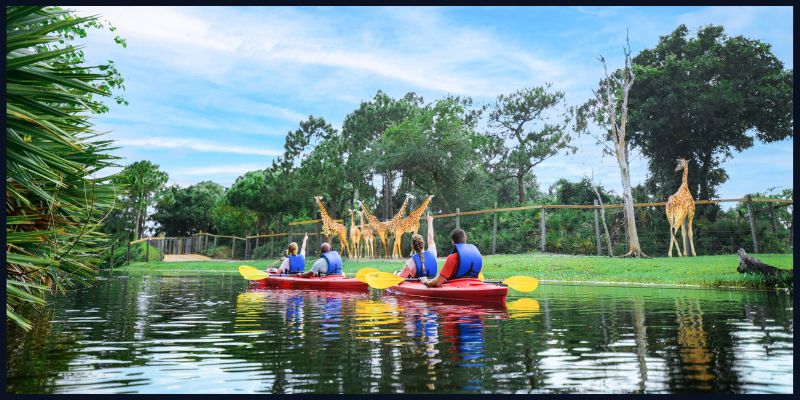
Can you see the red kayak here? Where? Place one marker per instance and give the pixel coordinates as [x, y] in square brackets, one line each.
[332, 282]
[458, 289]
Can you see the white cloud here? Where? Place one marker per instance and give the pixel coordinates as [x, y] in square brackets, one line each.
[227, 169]
[194, 144]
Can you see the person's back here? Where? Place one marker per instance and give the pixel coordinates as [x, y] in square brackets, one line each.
[329, 263]
[464, 261]
[294, 262]
[423, 262]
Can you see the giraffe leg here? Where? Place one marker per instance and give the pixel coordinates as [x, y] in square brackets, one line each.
[677, 242]
[691, 235]
[671, 241]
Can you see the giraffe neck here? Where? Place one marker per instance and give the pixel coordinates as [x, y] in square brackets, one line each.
[418, 212]
[352, 220]
[402, 210]
[685, 182]
[361, 218]
[323, 212]
[371, 218]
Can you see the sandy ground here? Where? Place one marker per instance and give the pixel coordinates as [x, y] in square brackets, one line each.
[185, 257]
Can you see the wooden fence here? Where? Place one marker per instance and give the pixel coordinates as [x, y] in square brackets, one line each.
[247, 245]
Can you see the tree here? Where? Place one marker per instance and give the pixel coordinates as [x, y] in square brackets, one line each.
[609, 109]
[56, 195]
[230, 220]
[140, 182]
[522, 143]
[362, 131]
[254, 191]
[703, 98]
[436, 148]
[186, 211]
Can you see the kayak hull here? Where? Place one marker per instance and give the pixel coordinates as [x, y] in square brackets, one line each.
[467, 289]
[336, 282]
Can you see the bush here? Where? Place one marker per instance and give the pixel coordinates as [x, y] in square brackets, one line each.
[219, 252]
[138, 253]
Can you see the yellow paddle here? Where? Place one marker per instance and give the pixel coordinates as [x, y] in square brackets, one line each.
[252, 273]
[362, 273]
[383, 280]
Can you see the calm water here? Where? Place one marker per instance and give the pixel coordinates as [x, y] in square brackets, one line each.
[212, 334]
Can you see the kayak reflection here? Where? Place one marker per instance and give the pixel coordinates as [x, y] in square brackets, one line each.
[458, 324]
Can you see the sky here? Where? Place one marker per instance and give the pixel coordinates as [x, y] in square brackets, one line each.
[213, 91]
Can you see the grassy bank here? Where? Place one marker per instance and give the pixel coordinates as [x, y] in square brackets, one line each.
[705, 271]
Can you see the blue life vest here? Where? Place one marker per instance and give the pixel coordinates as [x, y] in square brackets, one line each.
[430, 265]
[297, 264]
[334, 262]
[469, 261]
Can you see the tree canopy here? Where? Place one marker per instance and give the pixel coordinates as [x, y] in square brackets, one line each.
[704, 98]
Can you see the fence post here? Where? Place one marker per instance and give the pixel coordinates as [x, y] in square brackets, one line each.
[458, 218]
[271, 245]
[494, 229]
[752, 216]
[215, 243]
[246, 247]
[597, 230]
[772, 217]
[147, 250]
[233, 248]
[543, 229]
[129, 252]
[254, 249]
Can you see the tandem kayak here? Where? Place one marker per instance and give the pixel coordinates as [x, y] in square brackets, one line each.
[332, 282]
[459, 289]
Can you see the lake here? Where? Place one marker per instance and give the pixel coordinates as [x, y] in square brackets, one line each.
[212, 333]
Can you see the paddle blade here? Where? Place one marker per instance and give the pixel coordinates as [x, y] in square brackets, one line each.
[383, 280]
[361, 275]
[481, 277]
[522, 283]
[251, 273]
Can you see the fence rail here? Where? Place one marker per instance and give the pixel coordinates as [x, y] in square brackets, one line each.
[248, 246]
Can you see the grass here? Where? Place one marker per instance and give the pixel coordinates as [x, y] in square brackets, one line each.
[704, 271]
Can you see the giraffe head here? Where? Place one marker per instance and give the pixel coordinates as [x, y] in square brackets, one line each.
[682, 163]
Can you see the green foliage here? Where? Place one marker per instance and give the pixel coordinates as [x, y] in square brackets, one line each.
[185, 211]
[233, 221]
[139, 182]
[519, 143]
[704, 98]
[56, 195]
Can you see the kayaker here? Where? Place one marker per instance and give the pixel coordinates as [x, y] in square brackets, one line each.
[330, 263]
[422, 262]
[464, 261]
[294, 263]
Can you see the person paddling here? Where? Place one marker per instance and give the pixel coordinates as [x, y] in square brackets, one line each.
[422, 262]
[330, 263]
[464, 261]
[294, 263]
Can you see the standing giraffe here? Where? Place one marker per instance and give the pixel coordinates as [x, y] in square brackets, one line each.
[331, 227]
[680, 207]
[366, 234]
[382, 229]
[355, 234]
[408, 224]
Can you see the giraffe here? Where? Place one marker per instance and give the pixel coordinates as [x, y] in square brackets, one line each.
[680, 207]
[331, 227]
[408, 224]
[355, 234]
[366, 234]
[382, 229]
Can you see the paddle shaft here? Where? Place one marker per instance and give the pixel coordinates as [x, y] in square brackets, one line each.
[498, 283]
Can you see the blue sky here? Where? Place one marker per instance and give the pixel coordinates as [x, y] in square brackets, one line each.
[213, 91]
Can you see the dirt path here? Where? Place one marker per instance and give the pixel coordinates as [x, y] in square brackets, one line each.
[186, 257]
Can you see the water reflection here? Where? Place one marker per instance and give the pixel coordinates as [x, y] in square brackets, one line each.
[210, 334]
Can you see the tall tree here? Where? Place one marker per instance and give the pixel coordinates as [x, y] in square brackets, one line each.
[436, 149]
[609, 109]
[362, 131]
[56, 192]
[140, 182]
[704, 98]
[530, 124]
[186, 211]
